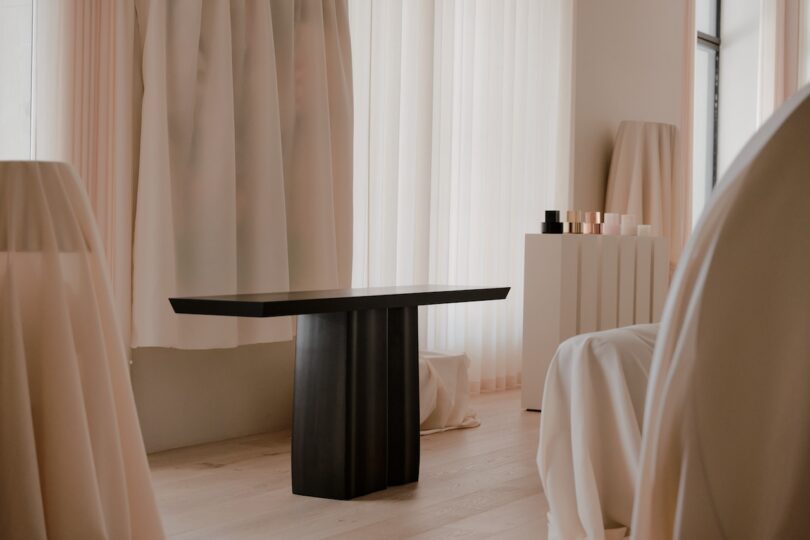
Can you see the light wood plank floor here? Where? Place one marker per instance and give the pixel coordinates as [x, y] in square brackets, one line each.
[473, 483]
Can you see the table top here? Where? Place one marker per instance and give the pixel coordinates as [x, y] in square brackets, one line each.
[328, 301]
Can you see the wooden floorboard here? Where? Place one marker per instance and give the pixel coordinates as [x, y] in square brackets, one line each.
[474, 483]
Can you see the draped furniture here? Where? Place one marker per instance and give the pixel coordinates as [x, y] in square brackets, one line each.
[72, 460]
[724, 445]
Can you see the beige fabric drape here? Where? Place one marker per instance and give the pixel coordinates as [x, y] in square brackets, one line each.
[72, 460]
[590, 431]
[644, 179]
[229, 124]
[462, 130]
[86, 102]
[726, 439]
[245, 161]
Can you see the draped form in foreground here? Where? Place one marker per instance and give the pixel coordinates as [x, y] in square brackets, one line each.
[725, 441]
[72, 460]
[244, 180]
[726, 438]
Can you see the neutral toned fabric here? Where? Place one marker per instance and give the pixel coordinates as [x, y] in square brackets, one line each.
[726, 445]
[590, 431]
[85, 103]
[444, 392]
[244, 175]
[228, 124]
[72, 460]
[461, 136]
[645, 180]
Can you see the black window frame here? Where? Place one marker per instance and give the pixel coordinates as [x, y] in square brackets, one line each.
[712, 42]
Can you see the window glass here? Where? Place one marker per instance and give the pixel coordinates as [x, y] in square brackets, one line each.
[16, 38]
[706, 17]
[804, 53]
[703, 141]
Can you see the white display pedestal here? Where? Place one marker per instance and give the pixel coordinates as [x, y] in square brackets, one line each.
[582, 283]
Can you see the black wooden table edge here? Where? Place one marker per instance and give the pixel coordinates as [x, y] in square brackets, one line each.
[228, 306]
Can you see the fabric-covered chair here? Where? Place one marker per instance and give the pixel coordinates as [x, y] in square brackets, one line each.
[725, 445]
[72, 459]
[444, 392]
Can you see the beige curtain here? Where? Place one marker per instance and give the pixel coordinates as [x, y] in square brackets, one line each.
[216, 138]
[643, 175]
[86, 97]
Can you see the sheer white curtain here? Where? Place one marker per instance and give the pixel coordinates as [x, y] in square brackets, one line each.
[462, 115]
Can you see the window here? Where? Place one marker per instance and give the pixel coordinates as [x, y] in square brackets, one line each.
[16, 48]
[707, 77]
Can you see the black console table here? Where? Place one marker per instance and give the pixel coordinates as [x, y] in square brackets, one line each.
[356, 401]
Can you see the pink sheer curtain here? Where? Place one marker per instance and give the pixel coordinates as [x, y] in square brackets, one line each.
[85, 104]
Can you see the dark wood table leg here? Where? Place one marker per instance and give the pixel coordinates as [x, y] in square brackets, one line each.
[403, 395]
[340, 418]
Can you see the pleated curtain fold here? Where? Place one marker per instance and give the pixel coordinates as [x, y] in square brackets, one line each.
[214, 140]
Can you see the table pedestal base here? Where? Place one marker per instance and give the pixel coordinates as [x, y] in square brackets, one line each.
[356, 403]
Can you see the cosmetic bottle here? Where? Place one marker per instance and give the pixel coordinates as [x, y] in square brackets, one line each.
[629, 225]
[611, 224]
[593, 223]
[552, 224]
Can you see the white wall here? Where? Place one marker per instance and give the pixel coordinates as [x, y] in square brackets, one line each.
[739, 81]
[627, 65]
[16, 35]
[191, 397]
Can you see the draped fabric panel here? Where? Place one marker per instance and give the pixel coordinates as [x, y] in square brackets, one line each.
[732, 352]
[462, 114]
[72, 460]
[86, 102]
[644, 179]
[216, 138]
[244, 177]
[590, 431]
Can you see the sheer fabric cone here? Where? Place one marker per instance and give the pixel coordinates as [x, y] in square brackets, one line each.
[645, 180]
[72, 460]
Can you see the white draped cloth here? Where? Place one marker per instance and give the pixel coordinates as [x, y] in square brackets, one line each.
[590, 431]
[72, 460]
[726, 446]
[444, 392]
[725, 451]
